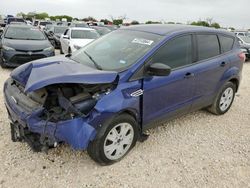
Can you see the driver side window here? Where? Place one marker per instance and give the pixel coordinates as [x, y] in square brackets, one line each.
[175, 53]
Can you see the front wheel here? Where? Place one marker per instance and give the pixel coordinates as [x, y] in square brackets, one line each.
[2, 63]
[114, 140]
[224, 99]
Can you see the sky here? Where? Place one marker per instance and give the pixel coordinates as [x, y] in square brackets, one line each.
[226, 12]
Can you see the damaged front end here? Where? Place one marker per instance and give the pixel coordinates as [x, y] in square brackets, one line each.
[59, 112]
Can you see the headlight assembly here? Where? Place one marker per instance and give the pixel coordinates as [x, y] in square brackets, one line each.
[7, 48]
[49, 49]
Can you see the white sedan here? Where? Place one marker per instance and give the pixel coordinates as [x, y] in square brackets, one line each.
[75, 38]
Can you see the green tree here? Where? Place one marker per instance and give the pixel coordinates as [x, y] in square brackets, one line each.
[215, 25]
[232, 28]
[69, 18]
[170, 23]
[105, 21]
[89, 19]
[152, 22]
[42, 16]
[118, 21]
[134, 22]
[21, 14]
[201, 23]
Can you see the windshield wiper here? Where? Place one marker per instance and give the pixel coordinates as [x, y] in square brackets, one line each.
[96, 64]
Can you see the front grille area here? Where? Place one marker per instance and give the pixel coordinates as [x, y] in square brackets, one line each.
[29, 50]
[23, 58]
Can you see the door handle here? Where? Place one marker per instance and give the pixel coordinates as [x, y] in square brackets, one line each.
[223, 64]
[189, 75]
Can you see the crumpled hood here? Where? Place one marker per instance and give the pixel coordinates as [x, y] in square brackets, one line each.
[40, 73]
[27, 45]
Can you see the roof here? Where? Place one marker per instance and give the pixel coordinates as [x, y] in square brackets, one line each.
[82, 28]
[165, 29]
[21, 25]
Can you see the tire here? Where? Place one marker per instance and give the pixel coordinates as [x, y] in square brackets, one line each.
[2, 63]
[224, 99]
[69, 51]
[53, 43]
[104, 151]
[61, 51]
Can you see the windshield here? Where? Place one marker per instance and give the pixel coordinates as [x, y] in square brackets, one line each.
[45, 23]
[60, 29]
[245, 39]
[15, 20]
[117, 50]
[48, 27]
[84, 34]
[81, 25]
[102, 31]
[24, 33]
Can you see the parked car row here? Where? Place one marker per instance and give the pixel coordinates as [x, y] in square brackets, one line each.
[21, 43]
[73, 37]
[243, 38]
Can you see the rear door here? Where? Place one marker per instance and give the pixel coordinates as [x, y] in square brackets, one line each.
[210, 66]
[167, 96]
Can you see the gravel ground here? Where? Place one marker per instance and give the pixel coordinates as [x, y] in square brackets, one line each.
[197, 150]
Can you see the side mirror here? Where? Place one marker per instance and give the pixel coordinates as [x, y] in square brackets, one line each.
[158, 69]
[65, 36]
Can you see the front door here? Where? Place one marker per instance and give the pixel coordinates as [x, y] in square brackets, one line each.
[167, 96]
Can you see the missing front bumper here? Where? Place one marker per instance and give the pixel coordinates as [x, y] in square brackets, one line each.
[76, 132]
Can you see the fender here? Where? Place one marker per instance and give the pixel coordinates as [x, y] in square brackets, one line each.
[120, 100]
[229, 74]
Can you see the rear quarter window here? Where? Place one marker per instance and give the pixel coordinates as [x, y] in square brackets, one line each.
[208, 46]
[226, 43]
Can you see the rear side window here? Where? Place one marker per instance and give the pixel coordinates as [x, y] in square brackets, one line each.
[208, 46]
[176, 53]
[226, 43]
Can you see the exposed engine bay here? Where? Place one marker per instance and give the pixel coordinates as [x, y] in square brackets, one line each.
[59, 102]
[64, 101]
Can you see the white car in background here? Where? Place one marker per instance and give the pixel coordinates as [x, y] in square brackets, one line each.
[75, 38]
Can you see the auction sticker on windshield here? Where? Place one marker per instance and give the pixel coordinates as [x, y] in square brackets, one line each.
[142, 41]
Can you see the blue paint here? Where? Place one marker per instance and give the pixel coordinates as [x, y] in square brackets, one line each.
[163, 97]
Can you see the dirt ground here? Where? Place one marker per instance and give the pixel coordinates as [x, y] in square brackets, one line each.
[197, 150]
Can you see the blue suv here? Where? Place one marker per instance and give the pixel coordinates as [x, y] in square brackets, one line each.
[104, 96]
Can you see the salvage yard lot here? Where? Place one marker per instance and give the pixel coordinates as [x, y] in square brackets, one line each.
[199, 149]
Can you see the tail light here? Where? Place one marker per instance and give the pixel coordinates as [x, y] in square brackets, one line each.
[242, 56]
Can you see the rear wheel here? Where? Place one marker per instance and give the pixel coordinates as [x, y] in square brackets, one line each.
[224, 99]
[114, 140]
[69, 51]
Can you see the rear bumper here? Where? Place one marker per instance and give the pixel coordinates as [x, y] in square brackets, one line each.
[76, 132]
[16, 58]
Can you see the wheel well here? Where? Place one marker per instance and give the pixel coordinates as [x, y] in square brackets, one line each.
[235, 82]
[131, 113]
